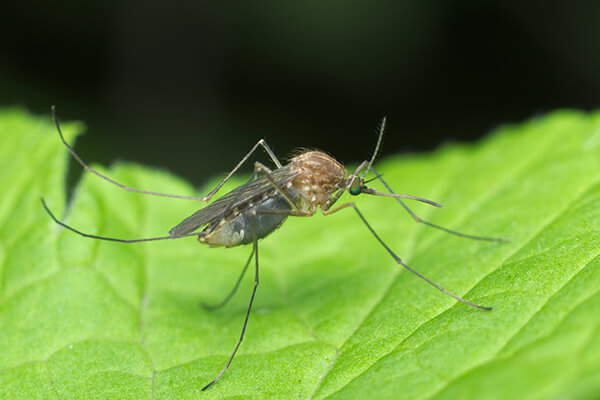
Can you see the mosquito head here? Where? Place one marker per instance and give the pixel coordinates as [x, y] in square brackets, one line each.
[357, 185]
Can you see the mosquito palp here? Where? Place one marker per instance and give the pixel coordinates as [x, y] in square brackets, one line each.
[310, 181]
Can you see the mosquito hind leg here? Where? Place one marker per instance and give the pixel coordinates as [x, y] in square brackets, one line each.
[111, 239]
[422, 221]
[206, 198]
[106, 178]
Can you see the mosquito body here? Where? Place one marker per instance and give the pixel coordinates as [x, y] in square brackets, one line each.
[262, 205]
[311, 181]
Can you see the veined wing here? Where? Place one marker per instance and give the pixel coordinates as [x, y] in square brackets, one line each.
[251, 192]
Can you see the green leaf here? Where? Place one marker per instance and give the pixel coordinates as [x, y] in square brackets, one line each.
[334, 316]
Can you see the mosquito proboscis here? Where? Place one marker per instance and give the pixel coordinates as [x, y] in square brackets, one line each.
[311, 181]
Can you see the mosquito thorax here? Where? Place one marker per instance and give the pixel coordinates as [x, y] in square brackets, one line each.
[319, 176]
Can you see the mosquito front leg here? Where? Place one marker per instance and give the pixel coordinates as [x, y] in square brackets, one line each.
[398, 259]
[422, 221]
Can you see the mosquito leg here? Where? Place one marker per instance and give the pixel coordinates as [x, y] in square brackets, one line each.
[266, 172]
[398, 260]
[106, 178]
[255, 251]
[110, 238]
[210, 307]
[288, 213]
[206, 198]
[265, 146]
[422, 221]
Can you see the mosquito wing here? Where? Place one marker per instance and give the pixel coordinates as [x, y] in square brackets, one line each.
[252, 192]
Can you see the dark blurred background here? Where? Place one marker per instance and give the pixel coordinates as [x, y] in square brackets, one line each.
[191, 85]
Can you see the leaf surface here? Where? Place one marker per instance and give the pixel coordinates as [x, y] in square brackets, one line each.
[334, 317]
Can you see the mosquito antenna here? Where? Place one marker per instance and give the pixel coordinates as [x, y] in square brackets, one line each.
[418, 219]
[379, 139]
[110, 238]
[405, 196]
[106, 178]
[399, 261]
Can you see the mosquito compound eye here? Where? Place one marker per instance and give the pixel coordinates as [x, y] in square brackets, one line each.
[355, 186]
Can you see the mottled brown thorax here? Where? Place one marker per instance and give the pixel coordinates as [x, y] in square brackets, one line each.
[319, 177]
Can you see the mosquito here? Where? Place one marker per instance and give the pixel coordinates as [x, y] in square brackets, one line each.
[310, 181]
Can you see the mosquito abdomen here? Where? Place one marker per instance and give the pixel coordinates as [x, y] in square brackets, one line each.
[237, 228]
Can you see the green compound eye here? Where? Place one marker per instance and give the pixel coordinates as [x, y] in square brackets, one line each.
[355, 187]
